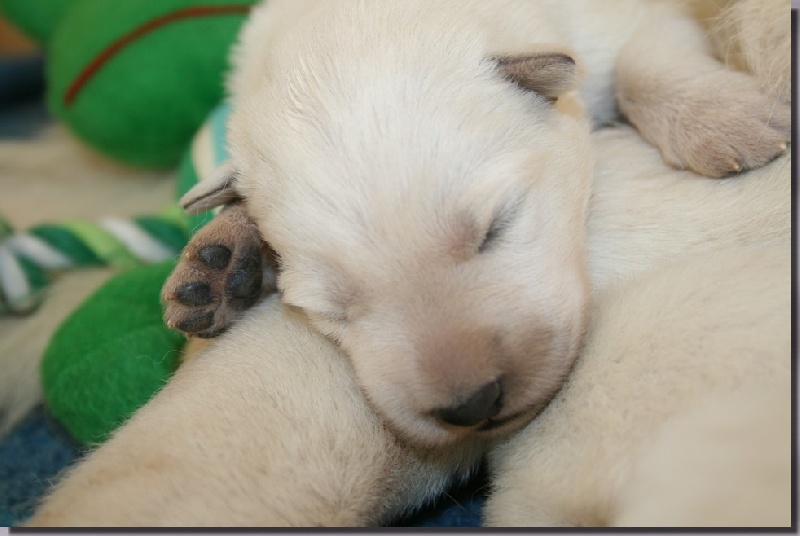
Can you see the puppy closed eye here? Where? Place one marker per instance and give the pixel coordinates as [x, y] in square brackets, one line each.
[502, 221]
[490, 239]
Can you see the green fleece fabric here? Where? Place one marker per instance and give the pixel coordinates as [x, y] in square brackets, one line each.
[135, 80]
[111, 355]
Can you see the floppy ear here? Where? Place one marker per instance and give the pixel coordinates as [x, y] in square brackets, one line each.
[548, 73]
[219, 189]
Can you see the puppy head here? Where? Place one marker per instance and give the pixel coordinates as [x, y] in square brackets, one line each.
[433, 226]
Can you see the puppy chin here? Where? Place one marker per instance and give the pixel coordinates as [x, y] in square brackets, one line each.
[430, 434]
[427, 432]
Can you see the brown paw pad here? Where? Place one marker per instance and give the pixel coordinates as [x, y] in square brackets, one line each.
[195, 294]
[215, 256]
[243, 286]
[196, 322]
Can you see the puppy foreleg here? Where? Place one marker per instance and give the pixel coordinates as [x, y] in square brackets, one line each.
[700, 114]
[265, 427]
[224, 270]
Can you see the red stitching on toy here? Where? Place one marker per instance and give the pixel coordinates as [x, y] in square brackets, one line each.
[112, 49]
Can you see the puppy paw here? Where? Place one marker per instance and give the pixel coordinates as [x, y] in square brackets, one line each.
[718, 125]
[221, 273]
[730, 126]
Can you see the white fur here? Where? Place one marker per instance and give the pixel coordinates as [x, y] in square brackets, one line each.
[375, 161]
[268, 417]
[678, 411]
[727, 461]
[374, 178]
[690, 303]
[266, 426]
[704, 326]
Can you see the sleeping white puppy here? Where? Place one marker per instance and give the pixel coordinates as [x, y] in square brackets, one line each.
[690, 277]
[422, 170]
[267, 427]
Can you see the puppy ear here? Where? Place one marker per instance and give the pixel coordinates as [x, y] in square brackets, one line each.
[219, 189]
[548, 73]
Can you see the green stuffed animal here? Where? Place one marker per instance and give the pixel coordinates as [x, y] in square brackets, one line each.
[134, 80]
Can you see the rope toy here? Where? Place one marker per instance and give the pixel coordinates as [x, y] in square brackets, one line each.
[29, 260]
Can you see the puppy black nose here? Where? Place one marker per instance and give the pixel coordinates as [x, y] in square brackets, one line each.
[483, 404]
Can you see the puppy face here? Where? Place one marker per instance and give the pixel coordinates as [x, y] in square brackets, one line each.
[429, 216]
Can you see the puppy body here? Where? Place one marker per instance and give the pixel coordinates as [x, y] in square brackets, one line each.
[703, 324]
[266, 425]
[678, 411]
[726, 461]
[643, 215]
[689, 335]
[426, 198]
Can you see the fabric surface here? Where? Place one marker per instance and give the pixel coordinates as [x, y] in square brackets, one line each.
[31, 457]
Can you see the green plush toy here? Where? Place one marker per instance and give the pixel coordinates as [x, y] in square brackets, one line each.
[114, 352]
[110, 355]
[133, 79]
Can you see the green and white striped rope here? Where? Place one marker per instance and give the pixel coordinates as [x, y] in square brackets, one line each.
[29, 260]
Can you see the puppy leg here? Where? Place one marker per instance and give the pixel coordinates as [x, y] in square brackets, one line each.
[223, 271]
[700, 114]
[264, 427]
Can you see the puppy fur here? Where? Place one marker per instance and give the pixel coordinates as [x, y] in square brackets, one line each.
[690, 302]
[265, 427]
[427, 200]
[267, 419]
[692, 471]
[678, 412]
[727, 332]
